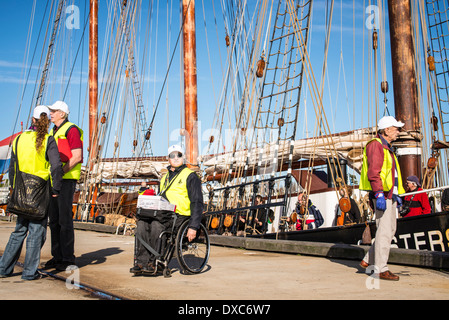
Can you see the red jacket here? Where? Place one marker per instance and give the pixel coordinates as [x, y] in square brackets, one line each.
[419, 205]
[375, 156]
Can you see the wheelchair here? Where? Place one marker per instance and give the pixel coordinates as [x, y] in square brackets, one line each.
[192, 256]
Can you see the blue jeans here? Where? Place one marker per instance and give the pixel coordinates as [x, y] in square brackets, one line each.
[37, 231]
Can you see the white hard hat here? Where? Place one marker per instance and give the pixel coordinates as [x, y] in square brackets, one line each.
[60, 105]
[39, 110]
[175, 148]
[389, 121]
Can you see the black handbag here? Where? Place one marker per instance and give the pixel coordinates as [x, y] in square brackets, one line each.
[31, 195]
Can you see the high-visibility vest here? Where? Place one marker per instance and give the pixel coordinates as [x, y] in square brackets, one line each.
[31, 161]
[385, 173]
[61, 134]
[176, 191]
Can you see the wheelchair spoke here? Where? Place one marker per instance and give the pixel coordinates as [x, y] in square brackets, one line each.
[193, 256]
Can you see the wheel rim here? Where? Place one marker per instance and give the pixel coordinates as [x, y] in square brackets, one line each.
[193, 256]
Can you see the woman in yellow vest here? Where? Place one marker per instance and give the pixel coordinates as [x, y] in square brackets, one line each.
[381, 176]
[182, 187]
[34, 157]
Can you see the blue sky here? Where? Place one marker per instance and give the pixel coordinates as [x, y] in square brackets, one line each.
[343, 111]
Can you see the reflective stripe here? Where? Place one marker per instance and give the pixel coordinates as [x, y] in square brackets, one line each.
[177, 192]
[30, 161]
[75, 173]
[385, 173]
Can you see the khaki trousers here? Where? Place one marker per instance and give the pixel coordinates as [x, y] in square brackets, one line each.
[386, 228]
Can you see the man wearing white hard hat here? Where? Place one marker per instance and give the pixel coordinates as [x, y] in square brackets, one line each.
[381, 176]
[69, 138]
[182, 187]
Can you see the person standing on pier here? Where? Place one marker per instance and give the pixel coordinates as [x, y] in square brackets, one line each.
[69, 138]
[34, 160]
[381, 176]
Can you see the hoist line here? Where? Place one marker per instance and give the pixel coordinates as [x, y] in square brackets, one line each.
[169, 67]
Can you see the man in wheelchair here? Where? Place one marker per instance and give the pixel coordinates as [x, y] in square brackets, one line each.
[182, 187]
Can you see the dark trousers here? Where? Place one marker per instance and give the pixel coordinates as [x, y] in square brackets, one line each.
[149, 231]
[61, 223]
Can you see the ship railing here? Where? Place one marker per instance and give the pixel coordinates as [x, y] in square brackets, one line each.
[425, 191]
[226, 218]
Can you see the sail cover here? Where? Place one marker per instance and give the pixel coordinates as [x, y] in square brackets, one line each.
[130, 168]
[346, 145]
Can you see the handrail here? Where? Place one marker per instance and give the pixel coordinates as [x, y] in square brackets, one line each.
[424, 191]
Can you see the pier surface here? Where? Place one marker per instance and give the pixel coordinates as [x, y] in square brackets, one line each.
[104, 260]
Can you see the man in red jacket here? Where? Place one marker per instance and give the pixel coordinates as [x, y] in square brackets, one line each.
[418, 203]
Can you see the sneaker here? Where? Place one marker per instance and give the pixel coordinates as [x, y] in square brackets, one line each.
[37, 276]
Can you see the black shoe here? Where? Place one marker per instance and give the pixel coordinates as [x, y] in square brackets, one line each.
[50, 264]
[150, 269]
[136, 269]
[62, 266]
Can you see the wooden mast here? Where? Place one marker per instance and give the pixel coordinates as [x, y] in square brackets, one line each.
[190, 83]
[405, 87]
[93, 96]
[93, 80]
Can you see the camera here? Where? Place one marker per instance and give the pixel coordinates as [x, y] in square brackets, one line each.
[405, 209]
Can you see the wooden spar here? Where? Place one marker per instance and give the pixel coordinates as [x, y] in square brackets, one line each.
[190, 83]
[93, 94]
[405, 86]
[93, 80]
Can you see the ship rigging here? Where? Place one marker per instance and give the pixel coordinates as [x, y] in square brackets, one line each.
[273, 129]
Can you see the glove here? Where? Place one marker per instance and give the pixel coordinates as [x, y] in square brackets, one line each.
[398, 200]
[381, 204]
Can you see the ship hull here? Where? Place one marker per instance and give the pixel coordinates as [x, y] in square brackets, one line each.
[425, 232]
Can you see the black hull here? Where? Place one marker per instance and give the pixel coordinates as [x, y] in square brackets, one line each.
[425, 232]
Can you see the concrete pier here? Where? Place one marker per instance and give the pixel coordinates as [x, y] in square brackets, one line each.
[238, 269]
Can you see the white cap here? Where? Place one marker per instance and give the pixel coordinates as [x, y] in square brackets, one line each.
[389, 121]
[175, 148]
[39, 110]
[60, 105]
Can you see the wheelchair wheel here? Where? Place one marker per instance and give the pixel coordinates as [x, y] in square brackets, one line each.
[192, 256]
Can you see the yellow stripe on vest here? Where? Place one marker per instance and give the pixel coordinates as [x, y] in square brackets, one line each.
[75, 173]
[385, 173]
[177, 192]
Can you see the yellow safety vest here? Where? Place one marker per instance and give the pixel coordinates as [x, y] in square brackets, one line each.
[30, 161]
[177, 191]
[75, 173]
[385, 173]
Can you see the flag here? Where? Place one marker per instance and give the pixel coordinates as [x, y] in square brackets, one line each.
[5, 153]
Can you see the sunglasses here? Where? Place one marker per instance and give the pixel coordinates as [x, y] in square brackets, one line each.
[174, 155]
